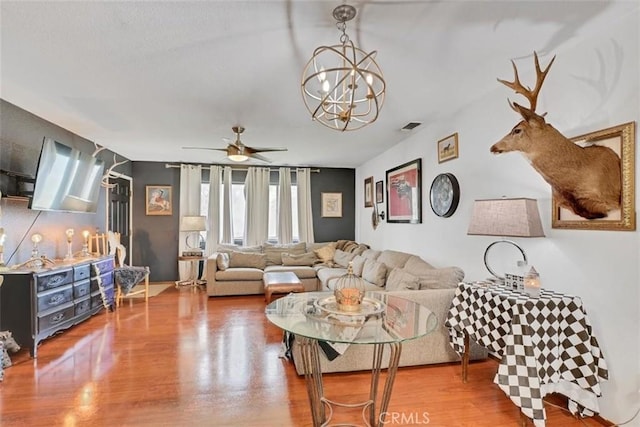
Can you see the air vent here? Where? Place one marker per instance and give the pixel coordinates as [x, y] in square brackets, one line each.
[410, 126]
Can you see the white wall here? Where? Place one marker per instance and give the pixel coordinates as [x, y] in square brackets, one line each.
[602, 267]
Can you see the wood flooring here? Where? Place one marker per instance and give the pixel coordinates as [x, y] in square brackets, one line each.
[185, 359]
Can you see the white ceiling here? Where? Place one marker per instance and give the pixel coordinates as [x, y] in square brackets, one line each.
[145, 78]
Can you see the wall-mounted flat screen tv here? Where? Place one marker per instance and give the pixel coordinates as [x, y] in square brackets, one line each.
[67, 179]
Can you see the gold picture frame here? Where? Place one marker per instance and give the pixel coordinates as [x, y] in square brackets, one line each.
[159, 200]
[448, 148]
[368, 192]
[332, 205]
[620, 139]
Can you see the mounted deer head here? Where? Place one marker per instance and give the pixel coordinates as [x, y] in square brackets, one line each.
[108, 174]
[585, 180]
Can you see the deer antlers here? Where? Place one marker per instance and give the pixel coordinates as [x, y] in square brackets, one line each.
[531, 95]
[108, 173]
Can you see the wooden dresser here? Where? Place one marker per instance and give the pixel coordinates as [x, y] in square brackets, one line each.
[37, 304]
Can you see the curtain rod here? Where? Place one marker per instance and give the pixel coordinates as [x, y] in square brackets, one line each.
[170, 165]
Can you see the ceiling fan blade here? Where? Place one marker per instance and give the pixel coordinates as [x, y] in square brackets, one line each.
[204, 148]
[265, 149]
[257, 156]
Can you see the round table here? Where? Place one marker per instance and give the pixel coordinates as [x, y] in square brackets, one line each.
[385, 319]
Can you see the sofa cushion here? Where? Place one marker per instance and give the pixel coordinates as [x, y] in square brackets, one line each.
[247, 259]
[303, 272]
[342, 258]
[306, 259]
[227, 247]
[235, 274]
[222, 261]
[358, 263]
[393, 259]
[374, 272]
[399, 280]
[440, 278]
[326, 274]
[325, 253]
[371, 254]
[274, 252]
[417, 266]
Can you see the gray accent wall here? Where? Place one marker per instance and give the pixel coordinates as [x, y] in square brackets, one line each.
[156, 237]
[21, 136]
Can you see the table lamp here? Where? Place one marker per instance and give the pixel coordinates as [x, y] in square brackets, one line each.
[193, 225]
[517, 217]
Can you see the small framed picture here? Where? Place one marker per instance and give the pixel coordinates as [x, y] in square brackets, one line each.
[332, 205]
[448, 148]
[380, 192]
[368, 192]
[159, 200]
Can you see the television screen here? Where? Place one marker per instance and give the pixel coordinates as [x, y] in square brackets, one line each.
[67, 179]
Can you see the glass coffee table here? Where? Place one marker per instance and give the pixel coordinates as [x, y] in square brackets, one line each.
[383, 320]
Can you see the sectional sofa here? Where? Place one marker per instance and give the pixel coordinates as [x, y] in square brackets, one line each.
[233, 270]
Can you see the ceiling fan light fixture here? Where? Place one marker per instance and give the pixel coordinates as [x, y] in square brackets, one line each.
[342, 86]
[236, 153]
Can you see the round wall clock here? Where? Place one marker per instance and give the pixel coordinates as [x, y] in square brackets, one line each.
[444, 195]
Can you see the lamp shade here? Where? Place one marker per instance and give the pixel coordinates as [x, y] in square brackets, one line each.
[518, 217]
[193, 223]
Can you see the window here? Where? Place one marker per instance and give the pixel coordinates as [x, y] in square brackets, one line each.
[237, 195]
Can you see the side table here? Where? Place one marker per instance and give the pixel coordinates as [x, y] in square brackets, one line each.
[545, 345]
[193, 281]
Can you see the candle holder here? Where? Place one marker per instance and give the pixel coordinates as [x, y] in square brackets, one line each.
[36, 238]
[69, 234]
[532, 283]
[85, 245]
[349, 291]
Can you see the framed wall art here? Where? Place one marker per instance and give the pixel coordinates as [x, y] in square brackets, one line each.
[332, 205]
[448, 148]
[621, 139]
[379, 192]
[159, 200]
[404, 193]
[368, 192]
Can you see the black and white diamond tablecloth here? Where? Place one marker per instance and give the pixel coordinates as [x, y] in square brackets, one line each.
[545, 345]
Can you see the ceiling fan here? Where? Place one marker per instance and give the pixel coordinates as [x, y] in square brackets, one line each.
[238, 152]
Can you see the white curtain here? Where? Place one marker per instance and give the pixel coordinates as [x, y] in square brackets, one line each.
[190, 181]
[285, 220]
[256, 219]
[227, 207]
[305, 211]
[213, 212]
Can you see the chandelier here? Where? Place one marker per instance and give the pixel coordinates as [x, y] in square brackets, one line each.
[342, 85]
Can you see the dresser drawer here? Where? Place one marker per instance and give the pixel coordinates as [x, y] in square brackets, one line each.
[46, 281]
[82, 306]
[81, 272]
[52, 319]
[107, 280]
[96, 297]
[100, 267]
[55, 297]
[81, 289]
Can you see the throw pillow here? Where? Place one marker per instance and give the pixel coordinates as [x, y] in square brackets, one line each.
[374, 272]
[274, 251]
[358, 263]
[247, 260]
[441, 278]
[342, 258]
[325, 253]
[306, 259]
[400, 280]
[222, 261]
